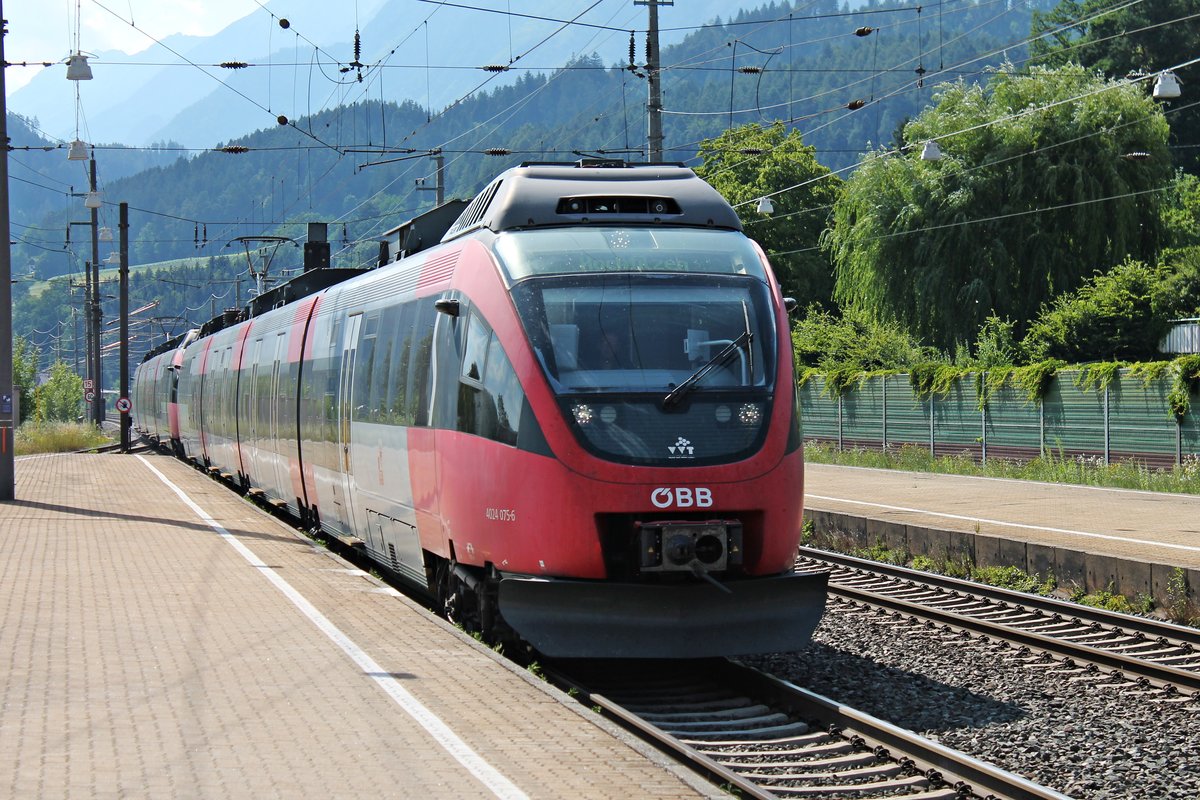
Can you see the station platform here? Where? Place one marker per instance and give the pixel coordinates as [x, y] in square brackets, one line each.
[162, 637]
[1096, 539]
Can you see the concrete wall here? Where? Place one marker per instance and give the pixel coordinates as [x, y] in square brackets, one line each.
[1071, 568]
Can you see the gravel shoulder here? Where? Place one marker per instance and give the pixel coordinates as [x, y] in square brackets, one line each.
[1088, 737]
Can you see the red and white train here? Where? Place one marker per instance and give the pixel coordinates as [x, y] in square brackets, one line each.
[574, 417]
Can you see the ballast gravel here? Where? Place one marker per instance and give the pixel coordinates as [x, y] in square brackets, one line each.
[1090, 737]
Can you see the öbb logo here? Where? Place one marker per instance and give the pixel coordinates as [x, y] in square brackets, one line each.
[682, 497]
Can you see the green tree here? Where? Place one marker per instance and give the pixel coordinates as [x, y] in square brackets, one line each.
[1181, 283]
[751, 162]
[1123, 38]
[60, 398]
[854, 341]
[25, 369]
[1033, 194]
[1119, 315]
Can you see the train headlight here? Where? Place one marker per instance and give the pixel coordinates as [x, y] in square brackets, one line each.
[583, 414]
[750, 414]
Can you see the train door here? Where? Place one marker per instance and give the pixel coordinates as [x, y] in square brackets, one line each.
[343, 485]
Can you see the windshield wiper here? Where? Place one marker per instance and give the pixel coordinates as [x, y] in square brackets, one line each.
[681, 391]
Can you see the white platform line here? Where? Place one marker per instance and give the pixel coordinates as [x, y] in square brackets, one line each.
[447, 738]
[984, 520]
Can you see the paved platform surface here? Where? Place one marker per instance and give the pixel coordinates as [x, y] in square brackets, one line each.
[1133, 525]
[162, 638]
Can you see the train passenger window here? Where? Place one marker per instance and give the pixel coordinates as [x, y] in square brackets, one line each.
[364, 368]
[401, 353]
[385, 361]
[490, 398]
[420, 362]
[476, 350]
[502, 387]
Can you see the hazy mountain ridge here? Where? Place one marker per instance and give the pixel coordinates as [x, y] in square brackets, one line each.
[139, 101]
[315, 169]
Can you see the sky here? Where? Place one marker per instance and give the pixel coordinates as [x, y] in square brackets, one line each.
[44, 30]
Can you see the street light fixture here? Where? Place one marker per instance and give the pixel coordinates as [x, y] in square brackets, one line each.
[1166, 86]
[77, 68]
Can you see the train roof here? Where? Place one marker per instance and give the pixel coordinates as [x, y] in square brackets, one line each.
[595, 192]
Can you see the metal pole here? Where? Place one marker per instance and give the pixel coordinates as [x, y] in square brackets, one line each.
[123, 233]
[932, 436]
[7, 406]
[654, 136]
[983, 425]
[439, 161]
[1107, 443]
[883, 380]
[97, 398]
[86, 313]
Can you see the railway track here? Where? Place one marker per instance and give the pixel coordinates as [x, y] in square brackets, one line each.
[1149, 652]
[761, 737]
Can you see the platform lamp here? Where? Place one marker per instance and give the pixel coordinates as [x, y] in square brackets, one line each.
[77, 151]
[931, 151]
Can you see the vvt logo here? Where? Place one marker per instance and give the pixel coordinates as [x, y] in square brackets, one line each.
[682, 447]
[682, 497]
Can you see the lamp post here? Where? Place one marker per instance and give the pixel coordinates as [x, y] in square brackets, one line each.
[7, 410]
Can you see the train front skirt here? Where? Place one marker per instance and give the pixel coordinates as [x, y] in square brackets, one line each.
[584, 619]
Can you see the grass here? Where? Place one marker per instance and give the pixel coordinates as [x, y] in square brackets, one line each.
[1050, 468]
[57, 437]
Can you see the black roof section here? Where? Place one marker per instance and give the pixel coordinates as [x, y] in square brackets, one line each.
[595, 192]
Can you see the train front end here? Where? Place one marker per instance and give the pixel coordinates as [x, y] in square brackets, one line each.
[665, 390]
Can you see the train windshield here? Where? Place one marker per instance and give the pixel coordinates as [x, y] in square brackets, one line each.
[650, 337]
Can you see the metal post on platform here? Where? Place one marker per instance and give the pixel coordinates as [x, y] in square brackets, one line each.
[97, 410]
[7, 396]
[123, 401]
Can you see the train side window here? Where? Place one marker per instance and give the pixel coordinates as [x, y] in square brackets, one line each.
[364, 369]
[401, 362]
[381, 380]
[476, 349]
[504, 390]
[420, 363]
[489, 395]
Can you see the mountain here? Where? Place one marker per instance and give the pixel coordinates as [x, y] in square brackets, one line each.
[155, 95]
[323, 165]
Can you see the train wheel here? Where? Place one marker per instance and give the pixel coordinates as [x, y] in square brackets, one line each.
[457, 599]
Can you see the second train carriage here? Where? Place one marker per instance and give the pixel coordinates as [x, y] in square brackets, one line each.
[575, 416]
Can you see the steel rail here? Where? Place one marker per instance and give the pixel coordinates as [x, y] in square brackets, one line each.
[1157, 675]
[939, 765]
[661, 739]
[1149, 627]
[937, 761]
